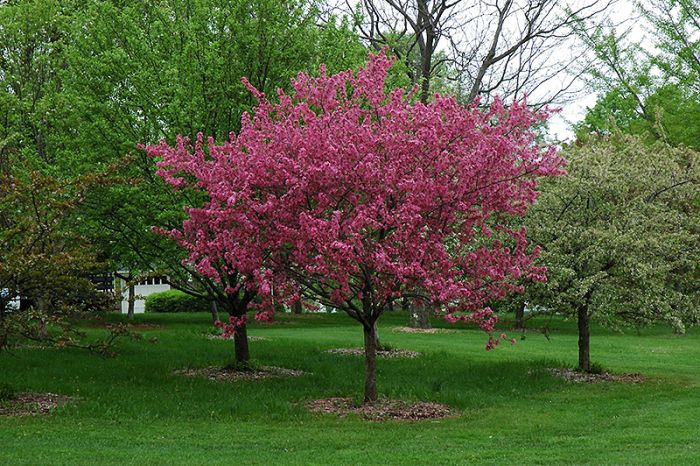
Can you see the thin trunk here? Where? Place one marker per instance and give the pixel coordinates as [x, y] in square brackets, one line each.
[420, 316]
[214, 311]
[240, 346]
[43, 333]
[377, 343]
[130, 302]
[520, 315]
[426, 50]
[370, 333]
[25, 303]
[584, 353]
[297, 307]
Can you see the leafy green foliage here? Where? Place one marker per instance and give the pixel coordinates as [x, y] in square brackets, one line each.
[651, 92]
[175, 301]
[83, 82]
[621, 233]
[42, 258]
[7, 392]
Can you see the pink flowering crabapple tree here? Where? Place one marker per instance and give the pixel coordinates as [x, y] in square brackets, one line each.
[225, 249]
[360, 197]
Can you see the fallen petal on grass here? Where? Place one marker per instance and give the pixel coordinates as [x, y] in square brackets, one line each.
[384, 353]
[32, 404]
[575, 376]
[424, 330]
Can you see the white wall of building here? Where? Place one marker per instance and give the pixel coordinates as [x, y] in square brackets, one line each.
[141, 290]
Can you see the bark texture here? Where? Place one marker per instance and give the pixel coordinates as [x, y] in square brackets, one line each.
[240, 346]
[520, 316]
[420, 316]
[584, 352]
[214, 311]
[370, 333]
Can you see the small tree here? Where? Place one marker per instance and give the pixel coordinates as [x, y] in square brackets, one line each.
[43, 261]
[222, 245]
[621, 236]
[363, 198]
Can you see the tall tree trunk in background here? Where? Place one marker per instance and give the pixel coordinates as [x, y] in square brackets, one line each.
[420, 315]
[297, 307]
[584, 353]
[42, 305]
[24, 302]
[520, 315]
[427, 48]
[130, 300]
[214, 311]
[370, 334]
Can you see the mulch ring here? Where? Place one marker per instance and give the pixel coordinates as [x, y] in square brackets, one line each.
[384, 353]
[221, 337]
[231, 375]
[381, 410]
[424, 330]
[129, 325]
[144, 326]
[574, 376]
[32, 404]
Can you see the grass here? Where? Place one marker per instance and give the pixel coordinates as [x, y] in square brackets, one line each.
[132, 409]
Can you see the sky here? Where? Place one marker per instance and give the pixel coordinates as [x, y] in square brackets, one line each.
[560, 125]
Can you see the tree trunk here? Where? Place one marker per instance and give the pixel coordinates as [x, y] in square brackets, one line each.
[43, 330]
[420, 316]
[214, 311]
[520, 316]
[240, 347]
[426, 49]
[370, 333]
[377, 343]
[297, 307]
[130, 301]
[584, 354]
[25, 303]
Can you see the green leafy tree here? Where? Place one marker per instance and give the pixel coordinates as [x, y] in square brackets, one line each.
[44, 262]
[176, 67]
[649, 91]
[83, 82]
[621, 236]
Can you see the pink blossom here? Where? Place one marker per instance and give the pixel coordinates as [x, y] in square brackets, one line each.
[365, 197]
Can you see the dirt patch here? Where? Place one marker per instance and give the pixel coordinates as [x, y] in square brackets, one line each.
[382, 410]
[232, 375]
[424, 330]
[574, 376]
[384, 353]
[32, 404]
[221, 337]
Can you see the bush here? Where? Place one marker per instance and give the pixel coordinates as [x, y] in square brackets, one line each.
[7, 392]
[175, 301]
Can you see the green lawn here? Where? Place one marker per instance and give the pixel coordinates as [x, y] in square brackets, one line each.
[132, 409]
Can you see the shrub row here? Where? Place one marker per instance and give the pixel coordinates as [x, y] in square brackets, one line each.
[175, 301]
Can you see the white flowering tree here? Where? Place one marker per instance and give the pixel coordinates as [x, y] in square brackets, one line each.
[621, 236]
